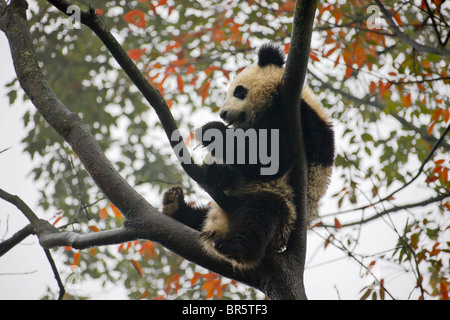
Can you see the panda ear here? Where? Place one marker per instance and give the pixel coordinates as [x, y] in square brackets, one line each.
[270, 53]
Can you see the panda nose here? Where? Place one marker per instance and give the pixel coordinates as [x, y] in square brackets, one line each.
[223, 115]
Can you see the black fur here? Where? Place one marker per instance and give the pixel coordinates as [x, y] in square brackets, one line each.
[253, 226]
[175, 207]
[270, 54]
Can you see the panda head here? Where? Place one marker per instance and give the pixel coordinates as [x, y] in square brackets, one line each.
[251, 93]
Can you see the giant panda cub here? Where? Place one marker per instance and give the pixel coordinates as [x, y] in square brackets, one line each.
[263, 212]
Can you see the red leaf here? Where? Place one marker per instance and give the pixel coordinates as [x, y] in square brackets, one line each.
[135, 54]
[430, 129]
[313, 57]
[444, 289]
[348, 72]
[99, 11]
[436, 114]
[318, 224]
[76, 258]
[205, 90]
[56, 221]
[94, 228]
[180, 83]
[337, 224]
[372, 87]
[407, 100]
[370, 267]
[116, 211]
[103, 213]
[195, 278]
[138, 267]
[135, 17]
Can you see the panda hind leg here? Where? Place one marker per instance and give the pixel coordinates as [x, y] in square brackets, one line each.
[253, 228]
[176, 207]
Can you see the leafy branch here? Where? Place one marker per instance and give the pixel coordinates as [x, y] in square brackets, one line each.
[440, 50]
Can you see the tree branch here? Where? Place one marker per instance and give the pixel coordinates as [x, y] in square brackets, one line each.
[18, 237]
[91, 20]
[358, 101]
[386, 211]
[62, 290]
[143, 221]
[440, 50]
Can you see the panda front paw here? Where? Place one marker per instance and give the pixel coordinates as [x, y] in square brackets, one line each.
[173, 201]
[218, 176]
[217, 125]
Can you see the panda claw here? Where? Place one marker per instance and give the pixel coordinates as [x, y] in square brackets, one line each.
[173, 200]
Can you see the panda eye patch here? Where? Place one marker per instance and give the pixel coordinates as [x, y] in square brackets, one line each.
[240, 92]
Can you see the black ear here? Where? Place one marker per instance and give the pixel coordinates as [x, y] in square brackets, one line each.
[270, 53]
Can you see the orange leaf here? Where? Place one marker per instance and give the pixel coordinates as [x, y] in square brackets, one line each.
[56, 221]
[443, 288]
[180, 83]
[447, 115]
[94, 228]
[76, 258]
[173, 281]
[372, 87]
[205, 90]
[144, 295]
[148, 248]
[286, 48]
[348, 72]
[138, 267]
[407, 100]
[99, 11]
[195, 278]
[444, 174]
[337, 224]
[398, 19]
[93, 252]
[313, 57]
[436, 114]
[180, 62]
[116, 211]
[135, 54]
[103, 213]
[330, 52]
[135, 17]
[318, 224]
[430, 129]
[190, 69]
[370, 267]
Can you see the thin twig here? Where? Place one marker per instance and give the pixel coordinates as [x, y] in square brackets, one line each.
[62, 290]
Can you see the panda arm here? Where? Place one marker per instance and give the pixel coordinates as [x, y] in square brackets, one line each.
[318, 135]
[219, 127]
[219, 176]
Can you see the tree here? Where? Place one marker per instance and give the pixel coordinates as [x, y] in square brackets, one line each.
[141, 219]
[370, 64]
